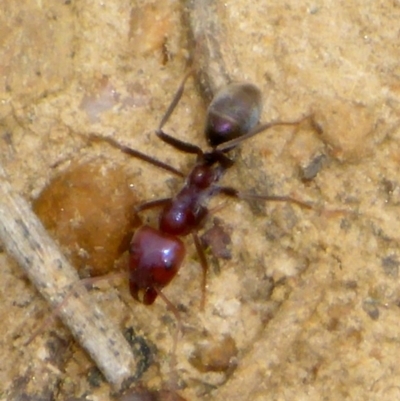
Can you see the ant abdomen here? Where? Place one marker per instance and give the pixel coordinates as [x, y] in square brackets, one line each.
[233, 112]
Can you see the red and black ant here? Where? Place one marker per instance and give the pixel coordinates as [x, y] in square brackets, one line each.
[156, 254]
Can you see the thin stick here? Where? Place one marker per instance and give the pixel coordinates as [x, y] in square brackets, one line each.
[26, 240]
[74, 290]
[213, 58]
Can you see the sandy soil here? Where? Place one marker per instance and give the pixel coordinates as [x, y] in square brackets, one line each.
[307, 307]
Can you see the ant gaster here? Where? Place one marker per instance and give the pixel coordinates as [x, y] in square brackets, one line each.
[156, 254]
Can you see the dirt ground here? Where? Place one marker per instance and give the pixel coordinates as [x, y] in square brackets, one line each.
[305, 304]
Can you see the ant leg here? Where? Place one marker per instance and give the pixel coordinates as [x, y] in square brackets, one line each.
[168, 139]
[204, 266]
[74, 288]
[175, 312]
[179, 328]
[135, 153]
[224, 147]
[175, 100]
[182, 146]
[234, 193]
[151, 204]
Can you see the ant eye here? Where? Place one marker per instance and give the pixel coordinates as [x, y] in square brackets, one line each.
[234, 111]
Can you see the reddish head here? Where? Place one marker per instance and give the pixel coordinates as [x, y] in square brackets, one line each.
[155, 258]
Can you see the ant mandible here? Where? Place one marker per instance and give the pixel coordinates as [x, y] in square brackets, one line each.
[156, 254]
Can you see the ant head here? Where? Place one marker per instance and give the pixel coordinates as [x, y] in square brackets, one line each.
[154, 259]
[233, 112]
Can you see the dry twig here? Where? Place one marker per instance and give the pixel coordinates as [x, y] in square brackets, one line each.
[26, 240]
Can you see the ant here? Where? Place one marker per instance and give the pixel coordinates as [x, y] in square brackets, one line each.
[156, 254]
